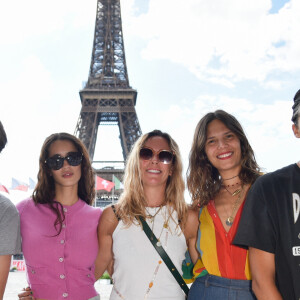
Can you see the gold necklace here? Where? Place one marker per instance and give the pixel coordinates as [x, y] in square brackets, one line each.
[151, 283]
[165, 226]
[230, 219]
[236, 192]
[159, 263]
[151, 217]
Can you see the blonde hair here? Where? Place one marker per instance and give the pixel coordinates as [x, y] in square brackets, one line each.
[132, 202]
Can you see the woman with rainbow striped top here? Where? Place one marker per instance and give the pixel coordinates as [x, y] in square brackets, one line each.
[222, 167]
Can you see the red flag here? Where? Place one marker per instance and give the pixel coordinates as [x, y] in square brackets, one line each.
[3, 188]
[102, 184]
[18, 185]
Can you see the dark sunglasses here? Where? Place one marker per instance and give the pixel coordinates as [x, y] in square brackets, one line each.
[56, 161]
[164, 156]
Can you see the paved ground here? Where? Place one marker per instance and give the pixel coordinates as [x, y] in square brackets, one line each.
[17, 280]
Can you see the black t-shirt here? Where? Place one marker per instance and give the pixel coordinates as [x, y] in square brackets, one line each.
[271, 222]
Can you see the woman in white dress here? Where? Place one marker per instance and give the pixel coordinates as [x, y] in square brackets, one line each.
[154, 190]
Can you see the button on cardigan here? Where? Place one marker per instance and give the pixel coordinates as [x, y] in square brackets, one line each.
[60, 266]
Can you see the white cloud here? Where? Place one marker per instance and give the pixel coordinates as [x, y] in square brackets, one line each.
[267, 126]
[242, 37]
[21, 20]
[31, 113]
[28, 89]
[223, 42]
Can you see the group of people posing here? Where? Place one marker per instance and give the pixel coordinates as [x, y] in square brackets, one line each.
[230, 247]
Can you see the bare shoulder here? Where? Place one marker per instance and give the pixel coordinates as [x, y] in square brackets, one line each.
[108, 221]
[109, 213]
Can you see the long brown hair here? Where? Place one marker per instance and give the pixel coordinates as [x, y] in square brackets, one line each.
[132, 202]
[203, 179]
[44, 192]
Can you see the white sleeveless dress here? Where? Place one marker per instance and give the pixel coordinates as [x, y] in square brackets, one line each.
[137, 264]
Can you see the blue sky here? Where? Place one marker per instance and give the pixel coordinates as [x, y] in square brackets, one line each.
[185, 58]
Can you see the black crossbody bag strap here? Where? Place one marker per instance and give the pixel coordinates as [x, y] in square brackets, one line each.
[163, 254]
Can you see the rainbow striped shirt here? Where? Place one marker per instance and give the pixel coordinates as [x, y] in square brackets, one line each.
[217, 254]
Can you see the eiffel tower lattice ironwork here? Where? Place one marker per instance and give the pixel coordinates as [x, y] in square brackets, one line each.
[107, 97]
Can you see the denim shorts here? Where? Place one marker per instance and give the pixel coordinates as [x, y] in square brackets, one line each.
[210, 287]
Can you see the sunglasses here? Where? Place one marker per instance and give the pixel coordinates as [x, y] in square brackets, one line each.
[56, 161]
[164, 156]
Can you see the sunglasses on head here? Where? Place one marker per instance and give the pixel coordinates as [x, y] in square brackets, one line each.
[56, 161]
[164, 156]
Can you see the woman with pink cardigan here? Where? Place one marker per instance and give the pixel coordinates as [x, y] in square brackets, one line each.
[59, 225]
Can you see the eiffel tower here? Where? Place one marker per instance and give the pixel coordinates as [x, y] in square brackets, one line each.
[107, 98]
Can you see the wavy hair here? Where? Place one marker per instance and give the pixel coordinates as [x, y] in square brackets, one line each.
[132, 202]
[203, 179]
[44, 192]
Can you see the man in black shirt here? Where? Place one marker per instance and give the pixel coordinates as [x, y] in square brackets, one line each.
[270, 227]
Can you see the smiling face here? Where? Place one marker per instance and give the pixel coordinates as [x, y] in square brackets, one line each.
[67, 176]
[223, 149]
[153, 171]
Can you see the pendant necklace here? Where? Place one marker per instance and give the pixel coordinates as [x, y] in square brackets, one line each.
[151, 217]
[165, 226]
[230, 219]
[236, 192]
[159, 263]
